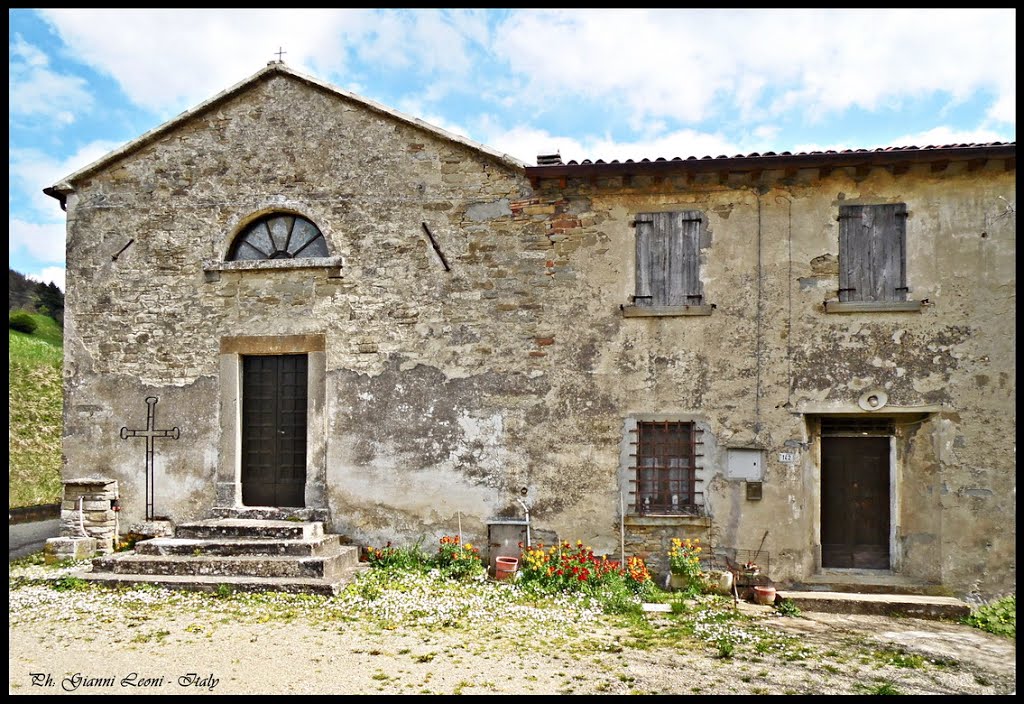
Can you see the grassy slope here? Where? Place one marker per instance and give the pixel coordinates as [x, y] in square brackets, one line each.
[35, 405]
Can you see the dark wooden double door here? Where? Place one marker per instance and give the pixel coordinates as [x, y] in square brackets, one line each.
[274, 430]
[855, 514]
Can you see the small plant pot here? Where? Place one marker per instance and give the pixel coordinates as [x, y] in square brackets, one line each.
[505, 567]
[764, 595]
[678, 582]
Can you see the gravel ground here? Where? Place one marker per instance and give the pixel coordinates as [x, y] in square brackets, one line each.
[420, 638]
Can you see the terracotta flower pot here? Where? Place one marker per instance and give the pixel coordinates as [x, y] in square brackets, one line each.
[764, 595]
[505, 567]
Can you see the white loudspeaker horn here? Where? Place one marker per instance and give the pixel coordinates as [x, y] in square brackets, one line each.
[873, 400]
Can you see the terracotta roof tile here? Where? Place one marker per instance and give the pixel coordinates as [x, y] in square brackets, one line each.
[587, 162]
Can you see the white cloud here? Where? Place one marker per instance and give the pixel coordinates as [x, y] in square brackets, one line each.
[168, 60]
[935, 137]
[31, 171]
[35, 90]
[526, 143]
[1005, 109]
[49, 275]
[696, 64]
[43, 241]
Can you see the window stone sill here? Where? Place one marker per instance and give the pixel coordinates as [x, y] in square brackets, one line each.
[874, 306]
[213, 268]
[668, 520]
[632, 311]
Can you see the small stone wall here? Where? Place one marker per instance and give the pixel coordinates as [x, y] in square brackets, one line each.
[650, 537]
[99, 498]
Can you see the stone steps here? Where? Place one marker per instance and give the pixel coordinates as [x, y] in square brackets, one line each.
[248, 554]
[325, 567]
[252, 528]
[908, 605]
[295, 585]
[321, 546]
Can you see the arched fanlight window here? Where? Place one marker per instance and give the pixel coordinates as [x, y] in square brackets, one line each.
[279, 236]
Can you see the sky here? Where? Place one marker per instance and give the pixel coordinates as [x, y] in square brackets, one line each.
[587, 84]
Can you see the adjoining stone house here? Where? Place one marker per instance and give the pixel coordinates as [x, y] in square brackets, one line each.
[363, 319]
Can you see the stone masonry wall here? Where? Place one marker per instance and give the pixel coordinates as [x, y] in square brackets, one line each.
[448, 393]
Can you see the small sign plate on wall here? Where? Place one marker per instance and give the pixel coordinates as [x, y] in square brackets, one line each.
[753, 491]
[787, 457]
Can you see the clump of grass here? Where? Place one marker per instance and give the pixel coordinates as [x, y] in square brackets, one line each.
[787, 607]
[998, 617]
[69, 583]
[881, 688]
[900, 658]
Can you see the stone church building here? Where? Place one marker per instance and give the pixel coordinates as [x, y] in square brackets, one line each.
[291, 301]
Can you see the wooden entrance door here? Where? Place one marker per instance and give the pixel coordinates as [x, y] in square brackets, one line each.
[855, 502]
[274, 430]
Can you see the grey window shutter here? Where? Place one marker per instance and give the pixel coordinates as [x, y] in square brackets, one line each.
[872, 252]
[668, 258]
[644, 265]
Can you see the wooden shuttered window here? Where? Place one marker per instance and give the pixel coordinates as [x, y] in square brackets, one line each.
[873, 252]
[668, 259]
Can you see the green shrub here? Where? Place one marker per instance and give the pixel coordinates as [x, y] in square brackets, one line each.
[575, 568]
[69, 584]
[457, 559]
[390, 557]
[998, 617]
[21, 321]
[787, 607]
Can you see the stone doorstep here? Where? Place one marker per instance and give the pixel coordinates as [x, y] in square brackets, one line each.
[327, 566]
[916, 605]
[253, 528]
[314, 547]
[310, 515]
[205, 583]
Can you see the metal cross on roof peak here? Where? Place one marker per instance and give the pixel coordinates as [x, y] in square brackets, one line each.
[280, 51]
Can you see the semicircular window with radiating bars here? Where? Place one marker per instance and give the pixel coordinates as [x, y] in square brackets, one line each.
[279, 236]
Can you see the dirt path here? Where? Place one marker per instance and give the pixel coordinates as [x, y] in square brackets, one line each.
[183, 652]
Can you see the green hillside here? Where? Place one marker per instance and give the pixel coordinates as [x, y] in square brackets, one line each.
[35, 406]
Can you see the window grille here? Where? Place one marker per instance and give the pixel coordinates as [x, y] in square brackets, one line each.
[665, 468]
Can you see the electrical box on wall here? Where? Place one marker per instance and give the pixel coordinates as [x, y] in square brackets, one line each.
[745, 463]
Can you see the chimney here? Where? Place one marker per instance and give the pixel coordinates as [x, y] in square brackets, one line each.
[549, 160]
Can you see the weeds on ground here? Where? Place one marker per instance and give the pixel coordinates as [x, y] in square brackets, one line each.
[787, 607]
[998, 617]
[882, 688]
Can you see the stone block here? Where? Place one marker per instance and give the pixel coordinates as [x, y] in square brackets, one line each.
[58, 549]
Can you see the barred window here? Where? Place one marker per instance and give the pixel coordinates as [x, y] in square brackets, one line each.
[666, 472]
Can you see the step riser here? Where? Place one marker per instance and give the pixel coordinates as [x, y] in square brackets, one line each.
[112, 580]
[320, 568]
[268, 513]
[270, 548]
[844, 588]
[888, 608]
[300, 531]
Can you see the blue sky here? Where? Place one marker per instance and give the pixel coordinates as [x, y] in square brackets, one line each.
[597, 84]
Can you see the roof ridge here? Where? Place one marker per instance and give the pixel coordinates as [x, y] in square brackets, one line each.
[65, 185]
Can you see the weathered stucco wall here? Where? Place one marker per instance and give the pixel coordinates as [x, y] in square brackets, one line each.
[447, 392]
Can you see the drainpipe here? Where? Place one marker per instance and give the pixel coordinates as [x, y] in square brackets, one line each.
[527, 509]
